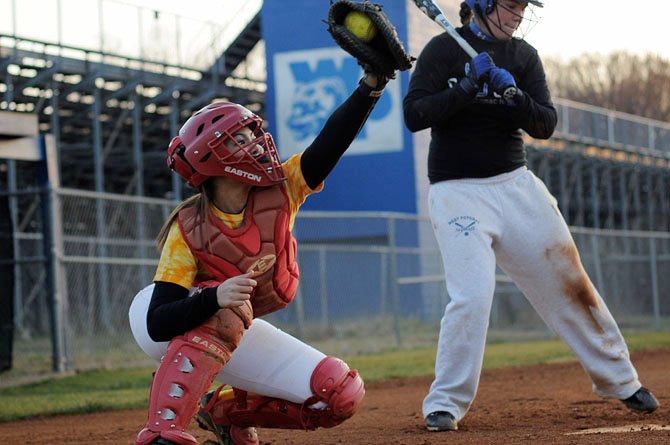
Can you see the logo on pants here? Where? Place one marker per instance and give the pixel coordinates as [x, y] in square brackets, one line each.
[464, 224]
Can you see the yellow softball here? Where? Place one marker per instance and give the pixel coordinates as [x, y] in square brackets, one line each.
[360, 25]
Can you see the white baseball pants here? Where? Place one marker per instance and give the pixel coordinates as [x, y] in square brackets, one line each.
[513, 220]
[268, 361]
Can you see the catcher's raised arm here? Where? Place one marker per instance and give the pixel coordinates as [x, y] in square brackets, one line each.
[377, 48]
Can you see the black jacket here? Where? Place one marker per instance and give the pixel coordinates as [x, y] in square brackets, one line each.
[480, 137]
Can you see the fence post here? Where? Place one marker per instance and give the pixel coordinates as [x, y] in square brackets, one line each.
[298, 307]
[58, 355]
[595, 209]
[393, 275]
[654, 283]
[323, 286]
[52, 236]
[383, 284]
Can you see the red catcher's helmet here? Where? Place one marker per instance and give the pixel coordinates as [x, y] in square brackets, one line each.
[202, 148]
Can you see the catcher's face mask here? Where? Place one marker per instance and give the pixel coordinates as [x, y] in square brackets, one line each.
[225, 139]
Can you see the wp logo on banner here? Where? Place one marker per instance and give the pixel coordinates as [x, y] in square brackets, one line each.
[310, 84]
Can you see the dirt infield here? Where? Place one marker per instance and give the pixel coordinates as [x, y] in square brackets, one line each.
[544, 404]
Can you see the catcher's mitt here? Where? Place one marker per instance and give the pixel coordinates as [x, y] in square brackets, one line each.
[384, 54]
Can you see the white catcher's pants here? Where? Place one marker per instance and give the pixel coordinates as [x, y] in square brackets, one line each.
[513, 219]
[268, 361]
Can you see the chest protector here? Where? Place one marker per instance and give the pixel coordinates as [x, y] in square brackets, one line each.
[263, 238]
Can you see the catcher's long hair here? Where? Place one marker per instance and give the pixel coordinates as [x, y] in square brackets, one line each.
[201, 200]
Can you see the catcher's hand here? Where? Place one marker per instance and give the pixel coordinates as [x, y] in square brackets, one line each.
[382, 55]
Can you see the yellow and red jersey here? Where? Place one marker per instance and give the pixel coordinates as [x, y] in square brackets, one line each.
[178, 265]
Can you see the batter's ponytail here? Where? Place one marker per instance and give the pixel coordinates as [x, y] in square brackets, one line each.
[465, 13]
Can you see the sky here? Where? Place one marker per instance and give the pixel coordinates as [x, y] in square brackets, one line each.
[566, 28]
[570, 27]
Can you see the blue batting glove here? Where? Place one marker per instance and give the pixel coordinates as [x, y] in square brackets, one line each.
[480, 66]
[477, 70]
[502, 82]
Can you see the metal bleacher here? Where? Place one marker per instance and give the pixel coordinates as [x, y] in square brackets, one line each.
[112, 116]
[607, 169]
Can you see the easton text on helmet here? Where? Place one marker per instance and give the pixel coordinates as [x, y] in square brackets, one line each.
[242, 173]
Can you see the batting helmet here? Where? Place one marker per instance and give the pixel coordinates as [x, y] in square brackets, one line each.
[485, 7]
[206, 147]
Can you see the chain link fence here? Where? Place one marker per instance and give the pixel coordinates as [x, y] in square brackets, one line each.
[369, 280]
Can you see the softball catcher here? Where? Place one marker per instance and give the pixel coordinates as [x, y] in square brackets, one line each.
[227, 257]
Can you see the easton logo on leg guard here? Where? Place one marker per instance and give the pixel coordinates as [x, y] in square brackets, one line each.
[211, 346]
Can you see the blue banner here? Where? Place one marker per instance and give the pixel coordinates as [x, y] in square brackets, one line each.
[308, 77]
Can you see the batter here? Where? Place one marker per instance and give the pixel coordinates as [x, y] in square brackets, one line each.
[487, 208]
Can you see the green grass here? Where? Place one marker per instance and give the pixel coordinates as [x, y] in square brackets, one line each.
[86, 392]
[106, 390]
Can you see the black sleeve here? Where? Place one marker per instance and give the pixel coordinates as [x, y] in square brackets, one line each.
[535, 112]
[337, 134]
[172, 312]
[430, 101]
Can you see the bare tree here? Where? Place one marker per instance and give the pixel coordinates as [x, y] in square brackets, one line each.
[622, 81]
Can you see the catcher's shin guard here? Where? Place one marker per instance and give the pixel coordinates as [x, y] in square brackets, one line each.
[186, 372]
[332, 382]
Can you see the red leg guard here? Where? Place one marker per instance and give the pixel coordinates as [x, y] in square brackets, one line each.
[186, 372]
[332, 382]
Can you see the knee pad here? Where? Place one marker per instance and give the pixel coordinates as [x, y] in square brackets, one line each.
[338, 386]
[332, 382]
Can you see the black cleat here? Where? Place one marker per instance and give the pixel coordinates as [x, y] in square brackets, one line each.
[441, 421]
[643, 401]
